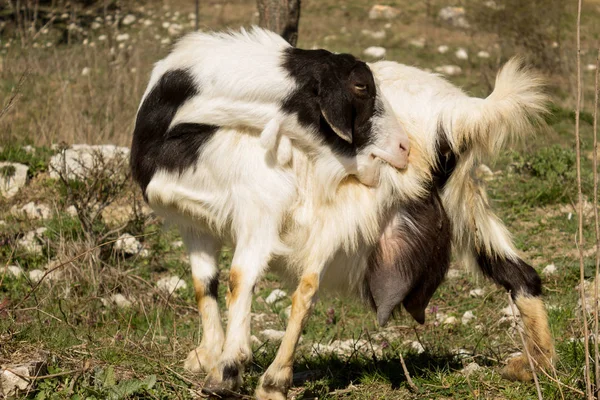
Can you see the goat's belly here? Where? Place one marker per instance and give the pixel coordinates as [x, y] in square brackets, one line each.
[231, 187]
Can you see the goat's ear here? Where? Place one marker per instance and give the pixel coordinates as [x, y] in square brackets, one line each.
[336, 107]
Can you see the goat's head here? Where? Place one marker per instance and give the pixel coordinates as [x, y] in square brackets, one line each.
[337, 95]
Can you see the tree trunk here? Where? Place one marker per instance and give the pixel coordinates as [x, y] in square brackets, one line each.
[281, 16]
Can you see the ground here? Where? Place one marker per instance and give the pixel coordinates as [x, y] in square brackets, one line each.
[83, 88]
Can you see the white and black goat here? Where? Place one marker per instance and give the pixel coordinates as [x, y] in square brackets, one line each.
[199, 155]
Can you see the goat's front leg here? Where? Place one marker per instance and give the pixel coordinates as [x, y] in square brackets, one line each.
[226, 376]
[276, 381]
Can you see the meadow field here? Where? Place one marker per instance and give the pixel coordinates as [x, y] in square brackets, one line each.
[99, 315]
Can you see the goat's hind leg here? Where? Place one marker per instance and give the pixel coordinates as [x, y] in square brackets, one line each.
[203, 250]
[525, 287]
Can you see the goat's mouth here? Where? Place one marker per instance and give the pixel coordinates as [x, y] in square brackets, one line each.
[399, 160]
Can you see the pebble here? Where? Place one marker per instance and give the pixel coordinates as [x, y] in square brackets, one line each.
[461, 54]
[470, 368]
[275, 296]
[476, 293]
[273, 335]
[443, 49]
[129, 19]
[550, 269]
[13, 270]
[128, 244]
[374, 51]
[467, 317]
[483, 54]
[450, 320]
[450, 70]
[171, 284]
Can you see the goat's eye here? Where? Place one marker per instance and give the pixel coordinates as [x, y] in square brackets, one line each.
[360, 87]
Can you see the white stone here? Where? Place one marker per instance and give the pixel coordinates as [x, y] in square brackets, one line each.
[418, 43]
[85, 71]
[11, 182]
[171, 284]
[81, 158]
[477, 293]
[461, 353]
[120, 301]
[483, 54]
[129, 19]
[32, 210]
[455, 16]
[590, 67]
[95, 26]
[443, 49]
[272, 335]
[177, 244]
[175, 29]
[374, 34]
[379, 11]
[165, 24]
[72, 211]
[148, 22]
[470, 368]
[101, 38]
[550, 269]
[35, 275]
[11, 382]
[165, 41]
[275, 296]
[467, 317]
[31, 242]
[388, 25]
[122, 37]
[461, 54]
[29, 149]
[374, 51]
[13, 270]
[128, 244]
[417, 346]
[453, 274]
[450, 320]
[450, 70]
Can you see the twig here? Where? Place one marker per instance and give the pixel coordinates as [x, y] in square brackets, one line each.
[412, 385]
[588, 384]
[597, 226]
[529, 358]
[555, 380]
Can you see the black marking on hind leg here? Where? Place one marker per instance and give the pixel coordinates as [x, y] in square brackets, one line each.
[213, 287]
[515, 276]
[446, 160]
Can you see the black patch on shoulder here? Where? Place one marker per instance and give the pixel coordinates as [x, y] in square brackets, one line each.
[156, 146]
[327, 93]
[414, 262]
[446, 160]
[515, 276]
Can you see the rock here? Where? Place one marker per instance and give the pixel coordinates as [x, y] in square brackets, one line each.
[590, 67]
[483, 54]
[72, 211]
[453, 274]
[443, 49]
[272, 335]
[95, 26]
[418, 43]
[450, 321]
[31, 242]
[550, 269]
[29, 149]
[374, 51]
[287, 312]
[129, 19]
[477, 293]
[178, 244]
[484, 172]
[275, 296]
[461, 54]
[175, 30]
[510, 311]
[467, 317]
[13, 177]
[127, 244]
[13, 378]
[36, 275]
[374, 34]
[101, 38]
[347, 347]
[148, 22]
[122, 37]
[81, 158]
[32, 210]
[171, 284]
[13, 270]
[166, 25]
[117, 299]
[85, 71]
[417, 347]
[461, 353]
[454, 16]
[379, 11]
[470, 368]
[450, 70]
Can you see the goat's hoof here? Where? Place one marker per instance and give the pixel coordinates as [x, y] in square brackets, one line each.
[223, 380]
[201, 359]
[274, 385]
[517, 369]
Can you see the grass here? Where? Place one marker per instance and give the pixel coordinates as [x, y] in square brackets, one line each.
[97, 350]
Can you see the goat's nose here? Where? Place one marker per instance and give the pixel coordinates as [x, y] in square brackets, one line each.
[404, 145]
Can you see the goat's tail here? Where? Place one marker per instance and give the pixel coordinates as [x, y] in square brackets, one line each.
[480, 239]
[484, 125]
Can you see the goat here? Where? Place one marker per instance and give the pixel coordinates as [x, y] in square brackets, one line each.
[335, 215]
[198, 157]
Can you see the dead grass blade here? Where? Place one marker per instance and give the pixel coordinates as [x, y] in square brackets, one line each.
[597, 226]
[588, 384]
